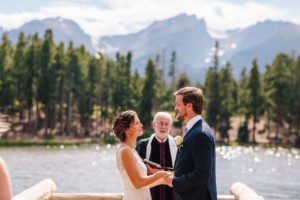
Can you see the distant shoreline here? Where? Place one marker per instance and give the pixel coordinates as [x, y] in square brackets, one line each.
[28, 143]
[13, 143]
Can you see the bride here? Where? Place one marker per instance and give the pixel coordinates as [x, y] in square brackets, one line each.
[127, 128]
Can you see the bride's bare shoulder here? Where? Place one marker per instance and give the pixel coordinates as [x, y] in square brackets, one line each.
[125, 150]
[125, 153]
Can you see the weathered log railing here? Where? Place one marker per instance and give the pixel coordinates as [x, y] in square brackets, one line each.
[87, 196]
[45, 190]
[241, 191]
[40, 191]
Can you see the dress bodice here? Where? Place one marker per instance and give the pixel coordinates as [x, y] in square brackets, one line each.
[131, 192]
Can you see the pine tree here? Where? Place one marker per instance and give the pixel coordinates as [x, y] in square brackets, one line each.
[242, 99]
[37, 69]
[268, 102]
[277, 79]
[294, 104]
[173, 69]
[59, 67]
[46, 91]
[72, 62]
[108, 81]
[136, 89]
[148, 94]
[255, 97]
[30, 80]
[227, 101]
[164, 96]
[212, 91]
[19, 71]
[183, 81]
[88, 99]
[119, 94]
[7, 93]
[127, 81]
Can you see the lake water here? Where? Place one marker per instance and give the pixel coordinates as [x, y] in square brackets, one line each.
[272, 173]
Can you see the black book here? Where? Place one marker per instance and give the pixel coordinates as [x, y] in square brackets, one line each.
[157, 166]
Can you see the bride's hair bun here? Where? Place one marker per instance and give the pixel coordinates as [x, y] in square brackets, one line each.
[123, 122]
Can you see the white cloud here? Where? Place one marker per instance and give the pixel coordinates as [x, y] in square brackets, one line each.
[233, 45]
[14, 20]
[127, 16]
[207, 60]
[296, 20]
[221, 53]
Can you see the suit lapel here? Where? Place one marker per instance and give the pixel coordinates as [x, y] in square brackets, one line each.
[191, 130]
[186, 136]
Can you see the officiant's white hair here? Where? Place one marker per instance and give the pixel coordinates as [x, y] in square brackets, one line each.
[163, 114]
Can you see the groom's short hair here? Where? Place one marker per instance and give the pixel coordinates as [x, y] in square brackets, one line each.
[194, 96]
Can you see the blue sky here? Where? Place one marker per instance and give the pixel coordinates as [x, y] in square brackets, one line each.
[111, 17]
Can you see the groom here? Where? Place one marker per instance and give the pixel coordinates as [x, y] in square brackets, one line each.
[194, 171]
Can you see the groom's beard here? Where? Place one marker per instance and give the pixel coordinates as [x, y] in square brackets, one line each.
[181, 117]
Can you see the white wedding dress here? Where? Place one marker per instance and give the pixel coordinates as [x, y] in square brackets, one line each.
[131, 193]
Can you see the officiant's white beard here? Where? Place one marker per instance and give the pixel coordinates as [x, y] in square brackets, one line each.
[162, 134]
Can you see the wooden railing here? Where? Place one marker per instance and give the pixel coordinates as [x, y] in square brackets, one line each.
[45, 190]
[40, 191]
[243, 192]
[86, 196]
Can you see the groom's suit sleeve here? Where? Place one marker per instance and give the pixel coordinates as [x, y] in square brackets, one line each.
[201, 149]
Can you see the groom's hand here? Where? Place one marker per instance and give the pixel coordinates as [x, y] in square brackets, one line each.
[169, 180]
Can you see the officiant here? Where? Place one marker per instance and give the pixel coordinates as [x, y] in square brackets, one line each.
[160, 148]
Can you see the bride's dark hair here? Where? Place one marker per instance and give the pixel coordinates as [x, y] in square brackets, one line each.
[123, 122]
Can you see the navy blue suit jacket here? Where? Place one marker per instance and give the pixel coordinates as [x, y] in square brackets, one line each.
[195, 165]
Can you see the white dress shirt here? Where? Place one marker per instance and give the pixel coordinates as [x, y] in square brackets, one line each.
[191, 123]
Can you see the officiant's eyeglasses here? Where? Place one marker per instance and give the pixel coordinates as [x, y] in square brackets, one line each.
[163, 124]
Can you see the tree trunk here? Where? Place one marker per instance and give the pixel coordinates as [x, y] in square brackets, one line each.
[60, 112]
[277, 128]
[60, 117]
[297, 142]
[68, 113]
[29, 126]
[269, 124]
[101, 118]
[254, 129]
[298, 125]
[38, 117]
[47, 120]
[21, 113]
[52, 116]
